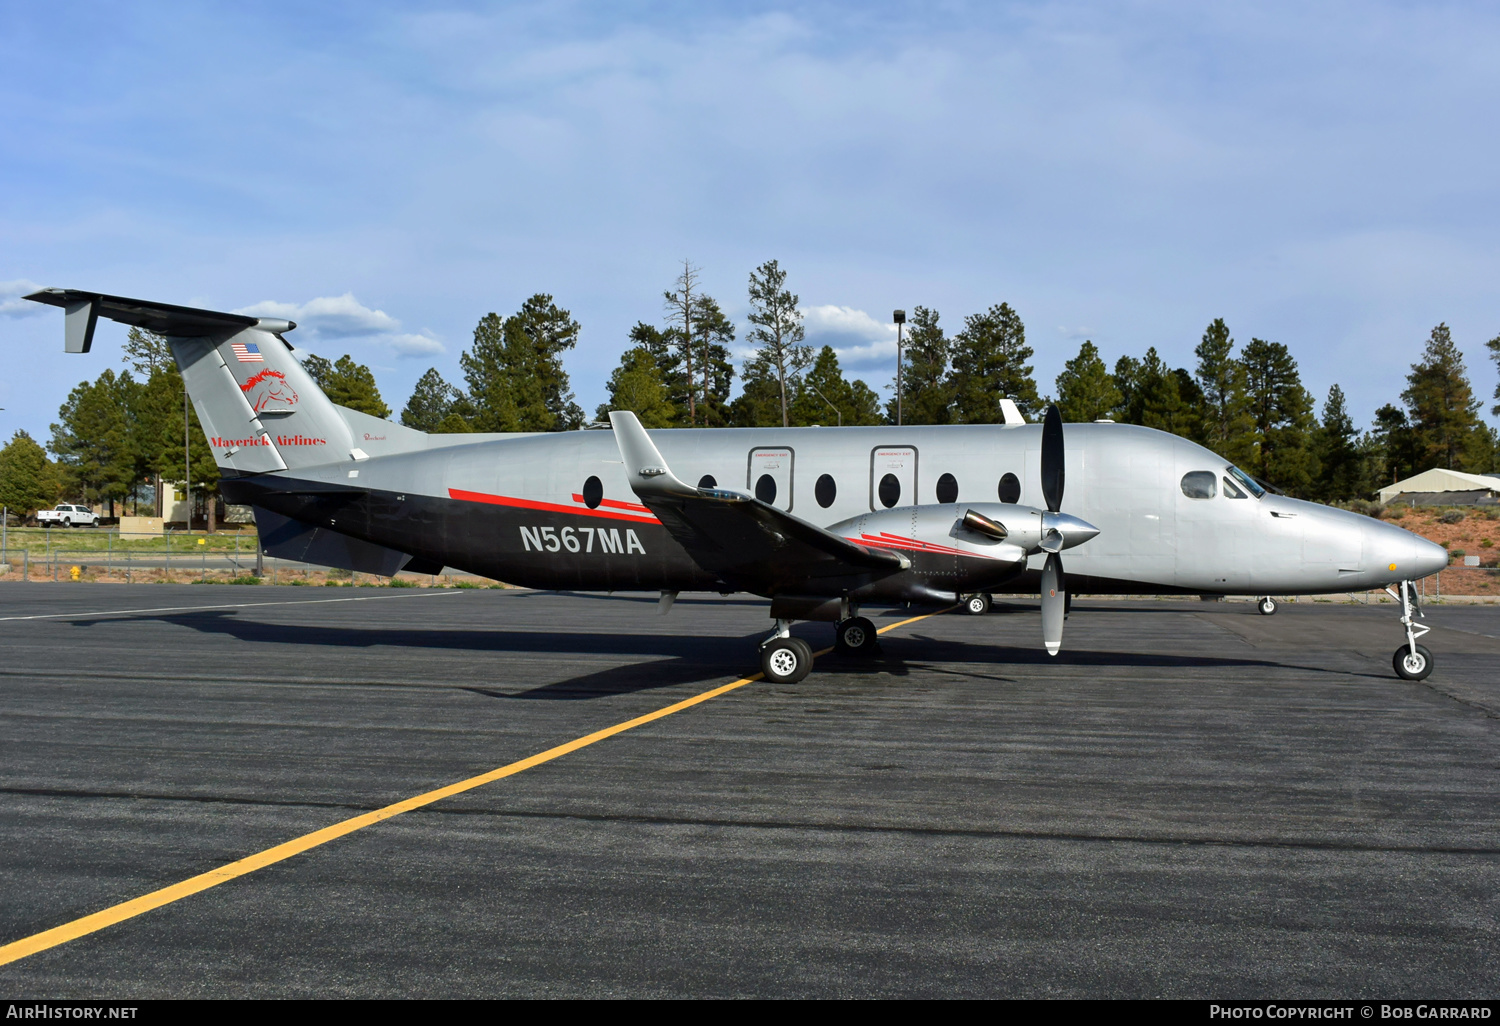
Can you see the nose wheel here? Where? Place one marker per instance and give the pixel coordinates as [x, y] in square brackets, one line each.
[1411, 661]
[783, 658]
[1266, 605]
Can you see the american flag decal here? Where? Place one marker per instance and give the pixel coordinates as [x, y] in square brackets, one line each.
[247, 352]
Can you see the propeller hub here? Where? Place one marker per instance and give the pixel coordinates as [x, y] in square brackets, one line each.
[1071, 531]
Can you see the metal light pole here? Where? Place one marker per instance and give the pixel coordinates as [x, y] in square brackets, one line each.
[187, 467]
[899, 316]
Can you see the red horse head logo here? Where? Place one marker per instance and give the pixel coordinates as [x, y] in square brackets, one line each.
[268, 387]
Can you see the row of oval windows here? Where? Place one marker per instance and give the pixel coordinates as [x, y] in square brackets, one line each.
[826, 489]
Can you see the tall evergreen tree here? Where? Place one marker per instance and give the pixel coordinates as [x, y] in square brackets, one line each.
[682, 301]
[1442, 408]
[93, 441]
[636, 385]
[514, 370]
[28, 481]
[1393, 445]
[989, 364]
[713, 335]
[432, 402]
[759, 402]
[1224, 411]
[1085, 390]
[777, 332]
[147, 352]
[1494, 347]
[926, 391]
[1281, 414]
[825, 397]
[1336, 444]
[347, 383]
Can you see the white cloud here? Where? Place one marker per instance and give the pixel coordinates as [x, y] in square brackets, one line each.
[11, 303]
[331, 319]
[856, 337]
[329, 316]
[416, 345]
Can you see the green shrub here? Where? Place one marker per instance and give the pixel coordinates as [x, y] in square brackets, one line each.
[397, 582]
[467, 584]
[247, 579]
[1452, 516]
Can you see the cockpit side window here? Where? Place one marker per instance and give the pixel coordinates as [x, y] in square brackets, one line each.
[1230, 491]
[1199, 484]
[1245, 481]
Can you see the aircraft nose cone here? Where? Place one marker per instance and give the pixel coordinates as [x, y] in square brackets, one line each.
[1427, 557]
[1073, 530]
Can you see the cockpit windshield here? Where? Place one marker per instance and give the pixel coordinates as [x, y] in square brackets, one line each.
[1246, 480]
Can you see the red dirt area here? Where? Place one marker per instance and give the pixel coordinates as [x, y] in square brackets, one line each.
[1468, 536]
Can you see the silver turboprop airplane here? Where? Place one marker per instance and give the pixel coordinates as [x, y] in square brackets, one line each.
[817, 520]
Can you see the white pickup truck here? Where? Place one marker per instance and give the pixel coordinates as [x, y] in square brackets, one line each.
[66, 515]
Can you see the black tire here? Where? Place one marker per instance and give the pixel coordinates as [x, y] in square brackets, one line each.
[786, 660]
[1266, 605]
[67, 521]
[1411, 665]
[977, 604]
[856, 636]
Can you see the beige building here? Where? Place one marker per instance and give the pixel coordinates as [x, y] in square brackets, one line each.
[1430, 486]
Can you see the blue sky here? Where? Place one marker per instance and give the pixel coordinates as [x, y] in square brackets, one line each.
[1319, 175]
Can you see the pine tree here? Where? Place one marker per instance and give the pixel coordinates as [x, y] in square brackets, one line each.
[92, 441]
[926, 392]
[147, 352]
[1494, 347]
[713, 335]
[514, 370]
[1281, 415]
[431, 402]
[1336, 444]
[1442, 408]
[682, 301]
[28, 481]
[1223, 413]
[759, 403]
[350, 384]
[1085, 390]
[777, 333]
[1393, 445]
[989, 364]
[825, 397]
[636, 385]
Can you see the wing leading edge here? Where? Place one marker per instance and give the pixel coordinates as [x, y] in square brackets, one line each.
[752, 546]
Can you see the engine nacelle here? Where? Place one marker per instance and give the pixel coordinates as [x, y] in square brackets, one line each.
[984, 530]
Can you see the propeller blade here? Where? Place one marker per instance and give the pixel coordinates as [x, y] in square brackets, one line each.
[1053, 471]
[1054, 603]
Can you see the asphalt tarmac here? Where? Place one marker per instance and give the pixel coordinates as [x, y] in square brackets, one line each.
[1191, 801]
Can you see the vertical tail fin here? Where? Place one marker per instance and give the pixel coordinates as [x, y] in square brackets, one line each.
[259, 408]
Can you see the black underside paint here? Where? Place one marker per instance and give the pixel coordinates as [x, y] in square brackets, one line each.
[487, 539]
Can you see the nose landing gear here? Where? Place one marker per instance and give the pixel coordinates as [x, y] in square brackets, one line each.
[783, 658]
[1266, 604]
[1411, 661]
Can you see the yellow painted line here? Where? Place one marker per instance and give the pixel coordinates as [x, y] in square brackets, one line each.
[17, 950]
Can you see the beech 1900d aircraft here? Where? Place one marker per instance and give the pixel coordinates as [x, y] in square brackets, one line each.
[817, 520]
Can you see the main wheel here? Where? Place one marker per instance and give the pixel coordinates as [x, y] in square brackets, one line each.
[856, 636]
[1266, 605]
[786, 660]
[977, 605]
[1412, 665]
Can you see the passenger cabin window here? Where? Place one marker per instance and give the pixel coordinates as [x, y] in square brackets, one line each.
[890, 491]
[707, 481]
[1231, 491]
[947, 489]
[825, 491]
[593, 492]
[1010, 488]
[1199, 484]
[765, 489]
[1245, 481]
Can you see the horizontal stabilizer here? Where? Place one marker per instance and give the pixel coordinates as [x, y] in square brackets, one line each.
[84, 309]
[286, 538]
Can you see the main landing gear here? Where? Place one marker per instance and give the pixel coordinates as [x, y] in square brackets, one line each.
[1411, 661]
[978, 604]
[1266, 605]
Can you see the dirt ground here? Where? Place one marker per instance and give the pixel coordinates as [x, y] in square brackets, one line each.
[1477, 534]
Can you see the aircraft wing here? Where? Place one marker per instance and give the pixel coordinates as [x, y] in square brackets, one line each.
[750, 544]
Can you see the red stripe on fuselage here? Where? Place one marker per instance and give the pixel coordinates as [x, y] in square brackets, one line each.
[549, 507]
[616, 504]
